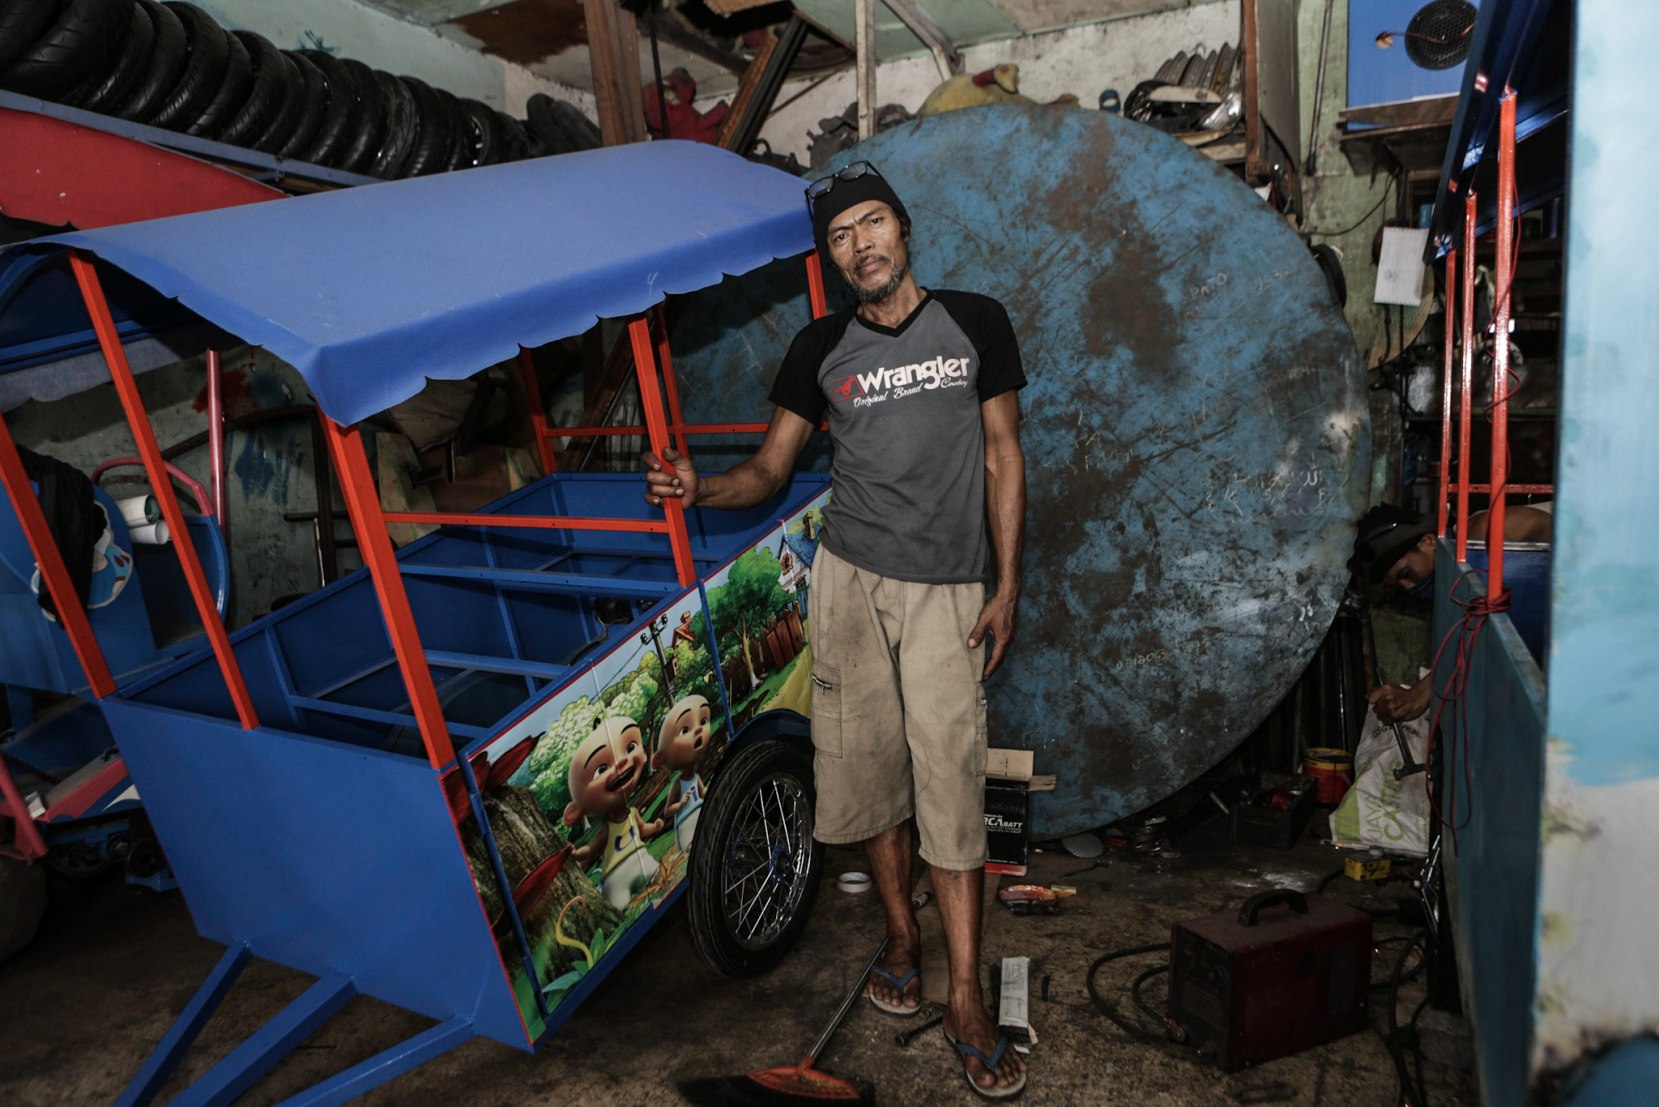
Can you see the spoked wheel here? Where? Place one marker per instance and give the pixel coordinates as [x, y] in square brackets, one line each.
[754, 865]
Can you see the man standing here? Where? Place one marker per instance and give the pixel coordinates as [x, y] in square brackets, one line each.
[920, 391]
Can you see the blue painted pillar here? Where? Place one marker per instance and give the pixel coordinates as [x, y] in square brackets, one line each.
[1597, 961]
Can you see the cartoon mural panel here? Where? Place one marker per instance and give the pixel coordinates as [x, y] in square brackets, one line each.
[593, 798]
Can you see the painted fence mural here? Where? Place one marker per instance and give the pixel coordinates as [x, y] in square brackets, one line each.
[593, 798]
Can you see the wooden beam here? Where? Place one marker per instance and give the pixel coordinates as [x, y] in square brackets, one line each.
[921, 24]
[864, 23]
[613, 48]
[746, 90]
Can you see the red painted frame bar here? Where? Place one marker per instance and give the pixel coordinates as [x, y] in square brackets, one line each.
[30, 844]
[666, 361]
[1503, 264]
[161, 485]
[1465, 394]
[363, 505]
[656, 426]
[1446, 395]
[538, 413]
[49, 560]
[537, 522]
[216, 438]
[815, 285]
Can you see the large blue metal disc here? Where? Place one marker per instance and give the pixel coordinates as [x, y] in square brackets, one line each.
[1195, 431]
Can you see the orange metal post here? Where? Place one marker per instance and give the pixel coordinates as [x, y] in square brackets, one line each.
[656, 428]
[815, 285]
[538, 413]
[1446, 392]
[49, 559]
[1467, 384]
[161, 485]
[1503, 265]
[363, 504]
[669, 383]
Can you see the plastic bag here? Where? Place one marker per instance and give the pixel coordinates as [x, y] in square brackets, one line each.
[1378, 810]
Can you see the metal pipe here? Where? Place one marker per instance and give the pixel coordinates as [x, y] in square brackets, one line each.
[363, 504]
[656, 425]
[1503, 264]
[1446, 392]
[216, 440]
[1465, 395]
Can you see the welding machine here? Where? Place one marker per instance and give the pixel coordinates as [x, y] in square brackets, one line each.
[1286, 972]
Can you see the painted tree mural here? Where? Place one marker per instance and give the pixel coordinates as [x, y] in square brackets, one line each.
[747, 603]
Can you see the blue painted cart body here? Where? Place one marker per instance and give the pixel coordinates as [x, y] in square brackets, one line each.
[375, 784]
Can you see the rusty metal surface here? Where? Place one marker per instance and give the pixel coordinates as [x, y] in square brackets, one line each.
[1195, 431]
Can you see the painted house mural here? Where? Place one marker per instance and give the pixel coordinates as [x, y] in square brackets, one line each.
[593, 799]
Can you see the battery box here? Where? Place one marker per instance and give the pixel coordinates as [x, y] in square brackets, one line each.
[1286, 972]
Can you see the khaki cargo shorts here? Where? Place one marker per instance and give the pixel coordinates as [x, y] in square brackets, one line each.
[898, 712]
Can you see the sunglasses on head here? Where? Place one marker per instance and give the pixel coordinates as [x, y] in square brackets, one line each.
[820, 188]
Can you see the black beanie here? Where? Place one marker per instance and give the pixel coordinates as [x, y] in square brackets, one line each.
[846, 194]
[1386, 534]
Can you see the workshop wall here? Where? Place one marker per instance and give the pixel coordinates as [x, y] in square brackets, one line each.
[385, 42]
[1081, 60]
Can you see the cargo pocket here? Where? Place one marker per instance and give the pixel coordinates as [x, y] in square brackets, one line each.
[826, 710]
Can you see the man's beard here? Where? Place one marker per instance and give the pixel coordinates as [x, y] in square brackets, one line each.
[880, 292]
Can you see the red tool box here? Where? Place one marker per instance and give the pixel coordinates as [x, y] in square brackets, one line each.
[1260, 984]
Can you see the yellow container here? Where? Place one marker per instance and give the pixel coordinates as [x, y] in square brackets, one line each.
[1332, 771]
[1366, 868]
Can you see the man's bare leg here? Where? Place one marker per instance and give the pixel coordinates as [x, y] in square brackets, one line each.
[960, 893]
[889, 854]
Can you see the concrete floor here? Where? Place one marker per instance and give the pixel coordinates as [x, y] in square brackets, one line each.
[81, 1008]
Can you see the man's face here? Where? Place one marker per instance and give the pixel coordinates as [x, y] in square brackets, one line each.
[1414, 568]
[867, 245]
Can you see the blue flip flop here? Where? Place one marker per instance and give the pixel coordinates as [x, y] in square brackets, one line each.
[1011, 1092]
[898, 1010]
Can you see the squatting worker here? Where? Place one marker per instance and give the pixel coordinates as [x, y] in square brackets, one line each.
[919, 387]
[1394, 546]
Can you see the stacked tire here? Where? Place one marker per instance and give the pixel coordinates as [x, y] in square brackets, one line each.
[170, 65]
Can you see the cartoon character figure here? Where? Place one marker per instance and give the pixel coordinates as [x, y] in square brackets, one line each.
[603, 771]
[682, 744]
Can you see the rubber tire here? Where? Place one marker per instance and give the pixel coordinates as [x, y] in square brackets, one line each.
[166, 65]
[231, 94]
[339, 113]
[22, 22]
[515, 141]
[460, 133]
[583, 132]
[432, 135]
[313, 98]
[544, 124]
[290, 108]
[483, 139]
[739, 776]
[206, 60]
[370, 125]
[79, 46]
[22, 903]
[399, 139]
[137, 45]
[267, 94]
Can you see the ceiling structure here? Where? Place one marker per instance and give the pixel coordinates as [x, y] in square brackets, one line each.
[549, 37]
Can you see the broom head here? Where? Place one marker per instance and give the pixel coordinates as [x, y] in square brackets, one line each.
[790, 1086]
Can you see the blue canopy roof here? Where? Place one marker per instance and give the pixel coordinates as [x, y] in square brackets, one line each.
[369, 291]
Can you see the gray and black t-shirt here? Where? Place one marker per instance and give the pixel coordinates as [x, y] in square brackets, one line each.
[903, 405]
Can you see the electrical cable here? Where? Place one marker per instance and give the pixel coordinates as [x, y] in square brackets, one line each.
[1383, 199]
[1139, 1034]
[1135, 989]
